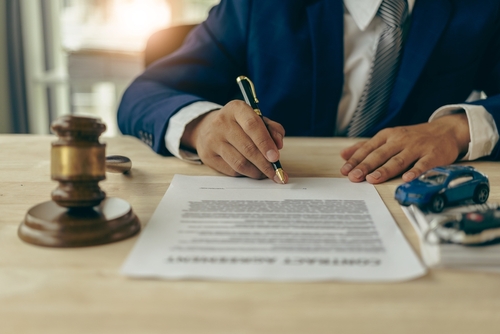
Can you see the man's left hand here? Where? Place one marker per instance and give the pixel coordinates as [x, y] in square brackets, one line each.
[414, 149]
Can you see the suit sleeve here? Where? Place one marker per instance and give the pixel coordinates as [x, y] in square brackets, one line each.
[488, 80]
[204, 68]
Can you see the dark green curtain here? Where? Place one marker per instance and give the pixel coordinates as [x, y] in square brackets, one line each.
[16, 67]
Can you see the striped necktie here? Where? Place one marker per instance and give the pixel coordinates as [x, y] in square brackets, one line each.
[375, 98]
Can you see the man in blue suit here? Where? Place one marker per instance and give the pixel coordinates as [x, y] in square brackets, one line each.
[309, 61]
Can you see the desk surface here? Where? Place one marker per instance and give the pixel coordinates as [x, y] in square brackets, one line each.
[44, 290]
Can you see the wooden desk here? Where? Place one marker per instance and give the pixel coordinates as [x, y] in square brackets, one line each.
[45, 290]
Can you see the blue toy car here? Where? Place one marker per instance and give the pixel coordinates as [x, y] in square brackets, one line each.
[442, 186]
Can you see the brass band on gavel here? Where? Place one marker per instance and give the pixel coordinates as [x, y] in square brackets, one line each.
[78, 161]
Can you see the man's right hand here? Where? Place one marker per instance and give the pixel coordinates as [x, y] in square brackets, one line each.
[233, 140]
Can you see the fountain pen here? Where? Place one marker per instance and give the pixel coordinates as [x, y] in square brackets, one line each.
[248, 90]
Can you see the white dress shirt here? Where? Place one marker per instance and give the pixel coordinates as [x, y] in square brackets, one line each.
[362, 29]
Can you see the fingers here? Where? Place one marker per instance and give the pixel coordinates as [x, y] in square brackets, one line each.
[228, 160]
[382, 163]
[347, 153]
[276, 131]
[259, 137]
[411, 150]
[246, 159]
[419, 168]
[393, 167]
[235, 141]
[397, 165]
[363, 157]
[233, 163]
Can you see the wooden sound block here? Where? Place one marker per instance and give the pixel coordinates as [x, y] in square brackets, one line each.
[118, 164]
[48, 224]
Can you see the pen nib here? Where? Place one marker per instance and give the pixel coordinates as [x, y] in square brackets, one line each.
[281, 175]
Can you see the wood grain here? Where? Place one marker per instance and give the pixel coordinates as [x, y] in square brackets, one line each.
[45, 290]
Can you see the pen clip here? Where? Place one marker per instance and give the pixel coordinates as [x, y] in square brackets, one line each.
[242, 78]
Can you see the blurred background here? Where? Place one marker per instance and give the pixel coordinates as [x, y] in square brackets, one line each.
[77, 56]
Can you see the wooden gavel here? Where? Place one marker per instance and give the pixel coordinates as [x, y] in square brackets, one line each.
[79, 213]
[78, 161]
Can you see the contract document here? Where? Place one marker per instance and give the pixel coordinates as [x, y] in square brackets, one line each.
[311, 229]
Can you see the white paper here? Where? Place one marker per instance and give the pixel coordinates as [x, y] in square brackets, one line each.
[243, 229]
[448, 255]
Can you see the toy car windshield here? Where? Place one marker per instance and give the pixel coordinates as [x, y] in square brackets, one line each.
[433, 177]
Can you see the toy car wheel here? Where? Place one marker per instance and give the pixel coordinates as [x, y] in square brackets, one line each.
[481, 194]
[437, 203]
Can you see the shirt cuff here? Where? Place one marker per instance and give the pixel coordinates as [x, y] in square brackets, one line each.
[482, 127]
[177, 124]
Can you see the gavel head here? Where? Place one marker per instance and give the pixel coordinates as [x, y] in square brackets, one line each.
[78, 161]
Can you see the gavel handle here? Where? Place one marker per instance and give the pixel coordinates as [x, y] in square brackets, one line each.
[118, 164]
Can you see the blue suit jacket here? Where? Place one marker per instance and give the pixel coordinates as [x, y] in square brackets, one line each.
[293, 52]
